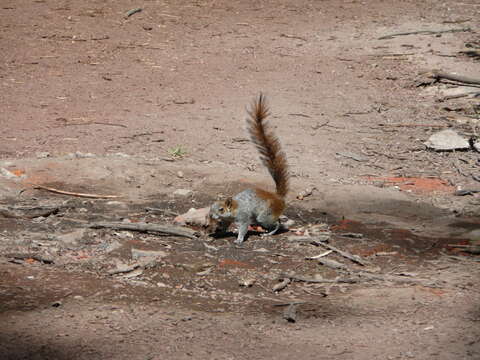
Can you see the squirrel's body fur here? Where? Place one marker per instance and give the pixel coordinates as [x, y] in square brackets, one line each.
[257, 206]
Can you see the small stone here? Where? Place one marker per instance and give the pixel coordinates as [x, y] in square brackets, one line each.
[447, 140]
[42, 155]
[183, 192]
[476, 146]
[180, 174]
[80, 155]
[11, 175]
[246, 282]
[117, 204]
[194, 217]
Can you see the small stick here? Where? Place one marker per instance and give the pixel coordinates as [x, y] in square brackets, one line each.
[144, 227]
[93, 196]
[355, 258]
[133, 11]
[320, 255]
[424, 32]
[281, 285]
[416, 125]
[293, 37]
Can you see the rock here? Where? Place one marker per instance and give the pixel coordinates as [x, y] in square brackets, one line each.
[193, 217]
[447, 140]
[148, 262]
[12, 175]
[113, 246]
[183, 192]
[137, 253]
[117, 204]
[71, 238]
[476, 146]
[473, 235]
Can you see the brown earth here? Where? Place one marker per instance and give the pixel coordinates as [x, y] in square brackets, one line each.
[97, 102]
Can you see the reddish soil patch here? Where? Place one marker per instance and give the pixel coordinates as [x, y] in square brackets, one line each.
[415, 184]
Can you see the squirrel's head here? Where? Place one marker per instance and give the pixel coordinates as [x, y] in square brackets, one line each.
[221, 215]
[223, 209]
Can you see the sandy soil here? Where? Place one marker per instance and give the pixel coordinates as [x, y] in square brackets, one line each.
[97, 102]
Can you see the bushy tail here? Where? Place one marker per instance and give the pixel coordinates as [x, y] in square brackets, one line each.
[268, 145]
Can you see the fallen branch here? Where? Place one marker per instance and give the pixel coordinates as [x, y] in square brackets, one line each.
[438, 75]
[345, 280]
[472, 249]
[28, 212]
[333, 264]
[144, 227]
[355, 258]
[63, 192]
[393, 278]
[424, 32]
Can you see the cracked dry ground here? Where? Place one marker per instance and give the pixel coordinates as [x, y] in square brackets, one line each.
[96, 102]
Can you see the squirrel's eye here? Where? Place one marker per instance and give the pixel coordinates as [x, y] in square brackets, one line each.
[221, 209]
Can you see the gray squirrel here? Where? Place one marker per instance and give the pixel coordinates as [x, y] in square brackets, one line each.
[256, 206]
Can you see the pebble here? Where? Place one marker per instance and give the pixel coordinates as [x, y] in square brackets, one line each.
[42, 155]
[183, 192]
[447, 140]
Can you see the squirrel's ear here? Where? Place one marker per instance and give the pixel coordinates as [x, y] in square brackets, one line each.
[228, 202]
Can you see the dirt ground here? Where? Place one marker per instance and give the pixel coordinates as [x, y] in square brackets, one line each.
[96, 101]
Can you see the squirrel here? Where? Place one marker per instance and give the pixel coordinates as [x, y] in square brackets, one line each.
[256, 206]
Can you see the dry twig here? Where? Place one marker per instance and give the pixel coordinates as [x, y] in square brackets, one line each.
[93, 196]
[424, 32]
